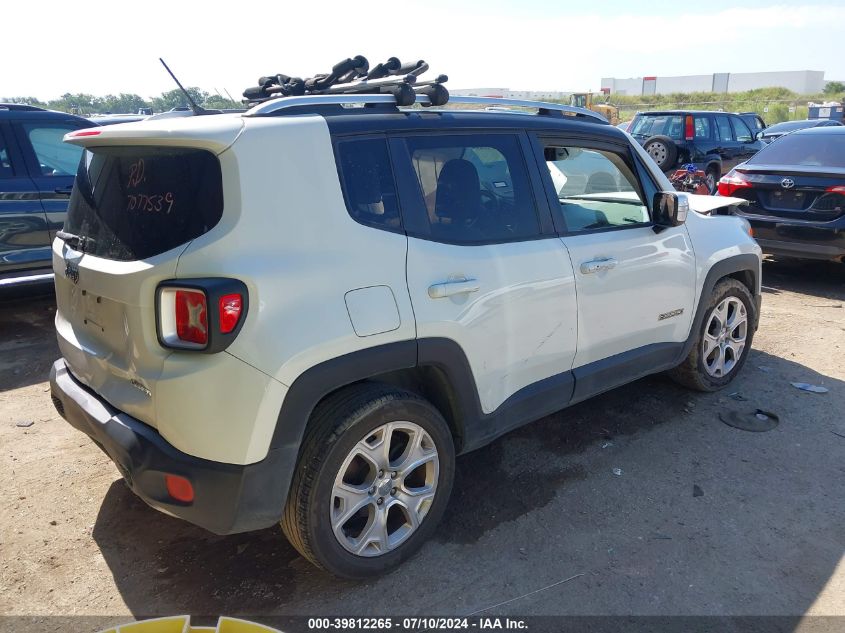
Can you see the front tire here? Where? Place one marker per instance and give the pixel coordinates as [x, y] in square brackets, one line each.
[373, 480]
[723, 340]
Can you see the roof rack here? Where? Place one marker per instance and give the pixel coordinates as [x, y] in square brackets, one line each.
[280, 104]
[352, 82]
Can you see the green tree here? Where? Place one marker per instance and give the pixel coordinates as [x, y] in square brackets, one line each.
[26, 100]
[175, 99]
[834, 87]
[219, 102]
[123, 103]
[79, 103]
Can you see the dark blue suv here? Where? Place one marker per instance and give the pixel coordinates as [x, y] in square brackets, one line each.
[715, 142]
[36, 177]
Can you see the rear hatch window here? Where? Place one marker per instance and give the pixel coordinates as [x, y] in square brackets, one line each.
[131, 203]
[804, 150]
[647, 125]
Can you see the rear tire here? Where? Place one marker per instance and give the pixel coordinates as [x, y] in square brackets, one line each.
[358, 505]
[723, 340]
[712, 179]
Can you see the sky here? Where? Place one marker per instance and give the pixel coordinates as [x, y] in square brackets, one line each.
[107, 47]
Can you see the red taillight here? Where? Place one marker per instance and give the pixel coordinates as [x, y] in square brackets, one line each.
[837, 189]
[179, 488]
[731, 183]
[86, 133]
[690, 129]
[191, 316]
[229, 307]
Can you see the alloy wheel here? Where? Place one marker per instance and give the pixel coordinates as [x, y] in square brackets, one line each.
[724, 337]
[384, 489]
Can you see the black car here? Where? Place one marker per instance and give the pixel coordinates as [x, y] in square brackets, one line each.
[796, 193]
[36, 177]
[715, 142]
[779, 129]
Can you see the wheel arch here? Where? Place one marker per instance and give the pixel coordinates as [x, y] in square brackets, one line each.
[745, 268]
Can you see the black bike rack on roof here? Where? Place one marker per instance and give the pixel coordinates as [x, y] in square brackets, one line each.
[352, 82]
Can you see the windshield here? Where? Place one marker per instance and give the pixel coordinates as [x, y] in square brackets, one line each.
[804, 149]
[131, 203]
[789, 126]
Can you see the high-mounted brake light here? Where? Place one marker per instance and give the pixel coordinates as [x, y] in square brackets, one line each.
[229, 309]
[731, 183]
[689, 133]
[86, 133]
[191, 316]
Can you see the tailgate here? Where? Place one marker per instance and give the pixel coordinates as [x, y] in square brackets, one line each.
[133, 211]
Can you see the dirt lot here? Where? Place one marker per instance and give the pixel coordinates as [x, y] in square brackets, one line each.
[704, 518]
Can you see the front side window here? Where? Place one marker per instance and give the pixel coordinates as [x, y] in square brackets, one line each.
[723, 127]
[55, 158]
[597, 189]
[474, 188]
[743, 132]
[367, 180]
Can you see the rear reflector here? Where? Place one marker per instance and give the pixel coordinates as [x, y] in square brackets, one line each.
[191, 316]
[229, 307]
[179, 488]
[731, 183]
[690, 129]
[86, 133]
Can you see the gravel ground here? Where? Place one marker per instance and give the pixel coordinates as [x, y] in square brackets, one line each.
[704, 519]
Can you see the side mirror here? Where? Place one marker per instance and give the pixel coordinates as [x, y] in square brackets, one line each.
[669, 209]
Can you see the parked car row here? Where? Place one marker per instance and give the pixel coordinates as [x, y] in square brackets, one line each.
[36, 178]
[795, 189]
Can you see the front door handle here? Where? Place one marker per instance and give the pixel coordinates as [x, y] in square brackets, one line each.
[595, 265]
[452, 288]
[66, 191]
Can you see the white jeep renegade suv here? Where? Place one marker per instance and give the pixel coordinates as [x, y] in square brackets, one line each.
[303, 313]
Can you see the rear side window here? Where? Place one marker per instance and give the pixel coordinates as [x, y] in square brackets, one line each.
[55, 158]
[6, 170]
[367, 180]
[134, 203]
[723, 127]
[475, 188]
[702, 127]
[663, 124]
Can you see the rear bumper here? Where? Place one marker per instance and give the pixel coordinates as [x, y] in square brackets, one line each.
[228, 498]
[809, 240]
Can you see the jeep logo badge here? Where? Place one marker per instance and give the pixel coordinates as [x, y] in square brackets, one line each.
[72, 272]
[787, 183]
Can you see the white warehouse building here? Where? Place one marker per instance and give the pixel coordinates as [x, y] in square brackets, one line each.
[800, 81]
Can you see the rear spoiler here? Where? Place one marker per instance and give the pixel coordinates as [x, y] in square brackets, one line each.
[214, 133]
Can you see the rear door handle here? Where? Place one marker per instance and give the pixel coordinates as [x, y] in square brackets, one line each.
[595, 265]
[452, 288]
[64, 190]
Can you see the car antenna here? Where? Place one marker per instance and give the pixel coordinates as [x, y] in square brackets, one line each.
[197, 109]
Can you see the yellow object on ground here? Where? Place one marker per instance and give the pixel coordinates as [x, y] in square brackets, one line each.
[182, 624]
